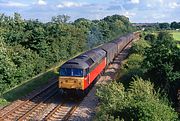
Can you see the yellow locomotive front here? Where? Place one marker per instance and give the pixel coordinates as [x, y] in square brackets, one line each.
[71, 78]
[68, 82]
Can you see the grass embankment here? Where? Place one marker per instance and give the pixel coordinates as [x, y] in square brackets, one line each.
[27, 87]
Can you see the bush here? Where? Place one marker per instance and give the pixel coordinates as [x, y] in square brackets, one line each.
[130, 68]
[150, 37]
[140, 46]
[140, 102]
[133, 62]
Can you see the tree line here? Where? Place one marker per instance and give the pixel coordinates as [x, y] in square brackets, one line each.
[29, 47]
[174, 25]
[159, 26]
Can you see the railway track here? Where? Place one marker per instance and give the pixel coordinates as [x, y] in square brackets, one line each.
[38, 108]
[34, 107]
[62, 111]
[27, 107]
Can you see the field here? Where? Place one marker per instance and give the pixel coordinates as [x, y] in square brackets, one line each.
[176, 35]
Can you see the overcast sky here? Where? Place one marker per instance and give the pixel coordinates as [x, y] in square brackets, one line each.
[137, 10]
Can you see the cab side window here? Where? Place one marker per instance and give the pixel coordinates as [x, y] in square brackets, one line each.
[86, 71]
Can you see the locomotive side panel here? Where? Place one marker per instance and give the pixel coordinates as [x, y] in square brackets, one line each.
[94, 73]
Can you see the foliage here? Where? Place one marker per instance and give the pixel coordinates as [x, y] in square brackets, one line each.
[150, 37]
[140, 46]
[60, 19]
[7, 67]
[131, 67]
[139, 102]
[175, 25]
[161, 64]
[162, 60]
[133, 61]
[153, 27]
[164, 25]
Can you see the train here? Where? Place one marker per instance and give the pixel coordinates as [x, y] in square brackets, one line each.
[79, 73]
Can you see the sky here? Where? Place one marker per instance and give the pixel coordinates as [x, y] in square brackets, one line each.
[138, 11]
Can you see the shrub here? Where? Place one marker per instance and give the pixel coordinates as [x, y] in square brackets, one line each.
[140, 46]
[150, 37]
[130, 68]
[133, 62]
[140, 102]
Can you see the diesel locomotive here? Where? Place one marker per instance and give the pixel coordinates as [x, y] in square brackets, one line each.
[79, 73]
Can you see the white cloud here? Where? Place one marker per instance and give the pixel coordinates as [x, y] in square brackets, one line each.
[67, 4]
[174, 5]
[134, 1]
[41, 2]
[13, 4]
[161, 1]
[129, 14]
[149, 5]
[158, 16]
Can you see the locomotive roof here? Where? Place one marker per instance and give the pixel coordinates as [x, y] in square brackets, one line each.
[75, 63]
[82, 61]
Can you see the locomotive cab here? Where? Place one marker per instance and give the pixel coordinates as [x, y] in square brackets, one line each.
[72, 78]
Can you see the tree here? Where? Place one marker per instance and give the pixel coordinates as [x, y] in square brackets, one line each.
[175, 25]
[150, 37]
[95, 37]
[60, 19]
[7, 67]
[164, 26]
[162, 62]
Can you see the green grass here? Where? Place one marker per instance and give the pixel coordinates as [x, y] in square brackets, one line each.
[176, 35]
[26, 88]
[178, 45]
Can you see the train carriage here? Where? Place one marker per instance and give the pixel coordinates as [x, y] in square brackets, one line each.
[111, 51]
[120, 43]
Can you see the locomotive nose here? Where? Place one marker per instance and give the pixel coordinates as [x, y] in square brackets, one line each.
[71, 83]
